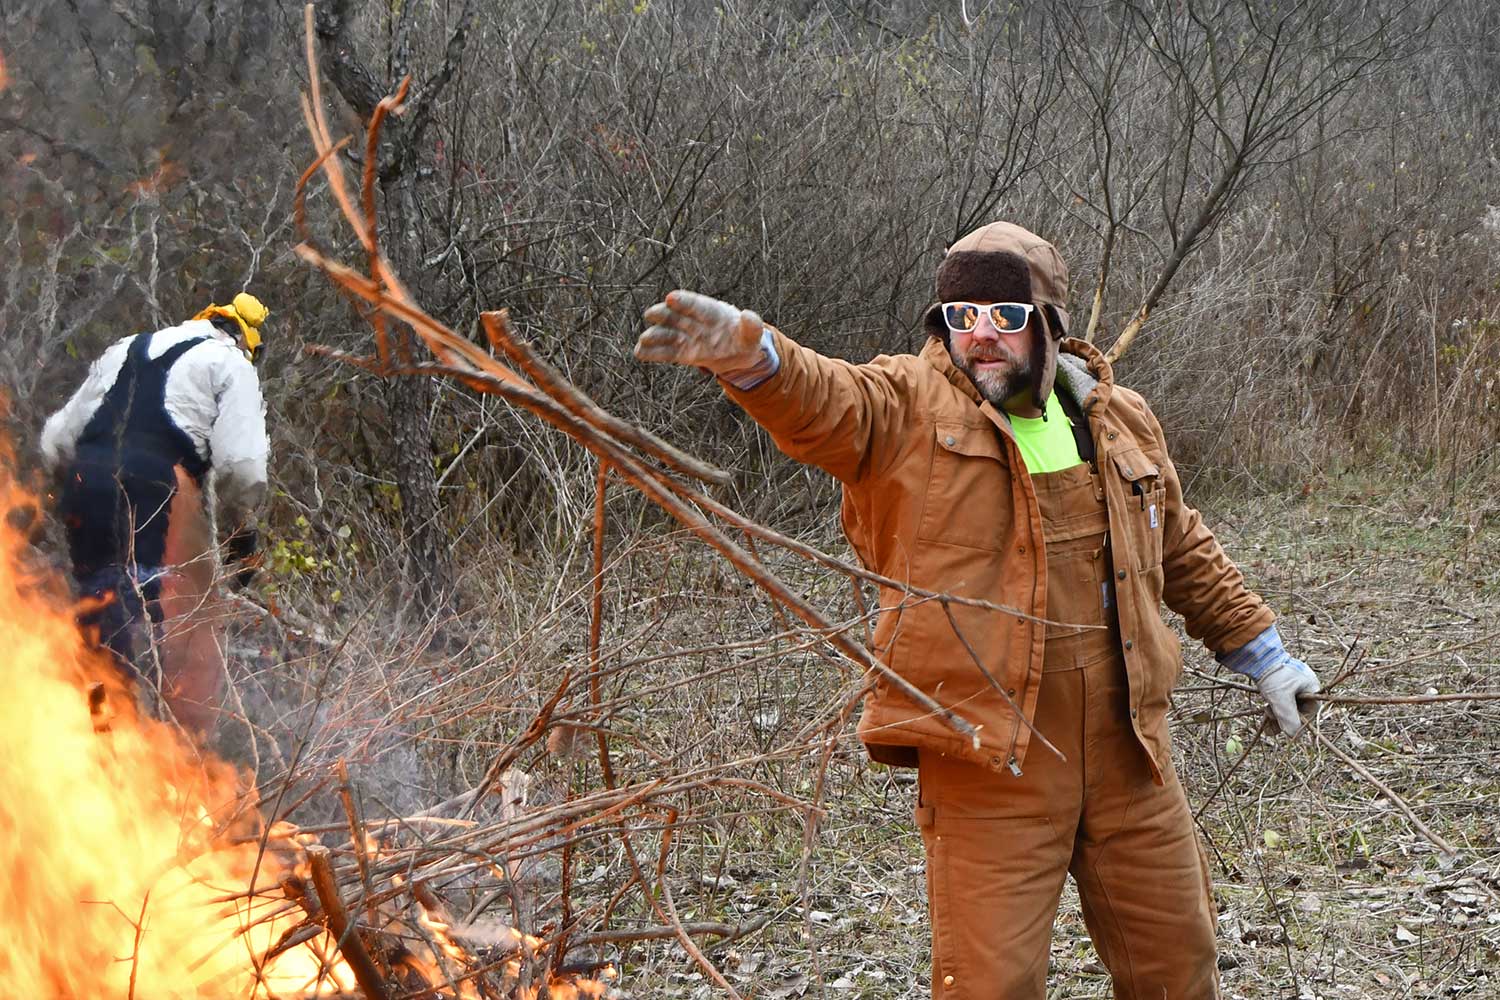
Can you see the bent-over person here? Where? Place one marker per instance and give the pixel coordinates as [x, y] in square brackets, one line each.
[160, 418]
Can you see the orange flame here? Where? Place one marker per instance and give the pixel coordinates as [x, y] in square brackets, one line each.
[441, 931]
[129, 864]
[123, 875]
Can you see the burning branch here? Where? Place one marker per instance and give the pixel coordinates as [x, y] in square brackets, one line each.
[337, 918]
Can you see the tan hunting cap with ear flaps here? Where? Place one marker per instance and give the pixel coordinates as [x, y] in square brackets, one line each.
[1049, 275]
[1004, 262]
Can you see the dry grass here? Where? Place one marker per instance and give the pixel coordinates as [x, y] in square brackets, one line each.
[1324, 888]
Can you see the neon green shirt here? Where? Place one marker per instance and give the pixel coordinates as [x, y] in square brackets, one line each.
[1046, 445]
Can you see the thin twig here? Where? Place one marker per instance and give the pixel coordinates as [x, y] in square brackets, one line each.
[356, 831]
[1381, 668]
[725, 932]
[974, 656]
[1398, 801]
[1411, 699]
[596, 622]
[683, 937]
[497, 330]
[1244, 756]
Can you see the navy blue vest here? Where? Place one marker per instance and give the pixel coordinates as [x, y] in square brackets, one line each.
[132, 417]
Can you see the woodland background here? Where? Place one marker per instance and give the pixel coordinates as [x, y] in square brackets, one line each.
[1297, 194]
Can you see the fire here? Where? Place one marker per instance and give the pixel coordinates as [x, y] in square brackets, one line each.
[131, 867]
[136, 866]
[506, 947]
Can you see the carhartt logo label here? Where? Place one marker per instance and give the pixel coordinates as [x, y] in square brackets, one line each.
[1153, 515]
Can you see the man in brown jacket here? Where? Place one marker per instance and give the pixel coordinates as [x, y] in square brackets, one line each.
[964, 472]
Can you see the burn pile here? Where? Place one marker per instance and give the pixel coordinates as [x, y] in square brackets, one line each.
[137, 866]
[132, 865]
[400, 938]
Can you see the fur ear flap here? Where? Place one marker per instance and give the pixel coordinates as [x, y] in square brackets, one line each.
[1043, 360]
[932, 322]
[1056, 328]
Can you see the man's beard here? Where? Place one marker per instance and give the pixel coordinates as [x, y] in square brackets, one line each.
[997, 385]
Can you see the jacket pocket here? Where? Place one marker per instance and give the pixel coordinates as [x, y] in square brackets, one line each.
[1143, 513]
[968, 500]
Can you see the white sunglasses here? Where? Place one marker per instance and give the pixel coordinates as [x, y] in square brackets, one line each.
[963, 317]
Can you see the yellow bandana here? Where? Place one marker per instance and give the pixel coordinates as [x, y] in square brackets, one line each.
[246, 310]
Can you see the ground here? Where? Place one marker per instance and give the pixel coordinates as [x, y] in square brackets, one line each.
[1324, 888]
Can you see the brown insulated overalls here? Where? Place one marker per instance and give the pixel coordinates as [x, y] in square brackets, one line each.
[999, 846]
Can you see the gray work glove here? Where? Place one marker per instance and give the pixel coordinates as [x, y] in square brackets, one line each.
[1279, 676]
[692, 329]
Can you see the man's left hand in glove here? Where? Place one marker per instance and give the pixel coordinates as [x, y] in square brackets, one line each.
[1280, 677]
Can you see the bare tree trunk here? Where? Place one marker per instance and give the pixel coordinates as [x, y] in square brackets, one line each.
[409, 400]
[428, 568]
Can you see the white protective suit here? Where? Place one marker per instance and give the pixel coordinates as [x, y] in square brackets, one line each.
[212, 394]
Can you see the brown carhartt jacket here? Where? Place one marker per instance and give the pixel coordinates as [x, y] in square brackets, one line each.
[936, 495]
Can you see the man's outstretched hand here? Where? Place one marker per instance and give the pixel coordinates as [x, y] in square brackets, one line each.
[692, 329]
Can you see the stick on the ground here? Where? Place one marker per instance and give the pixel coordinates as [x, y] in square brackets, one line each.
[1397, 800]
[725, 932]
[1403, 699]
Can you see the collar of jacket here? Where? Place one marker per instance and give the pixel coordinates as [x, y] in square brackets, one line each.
[1085, 375]
[1081, 369]
[205, 328]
